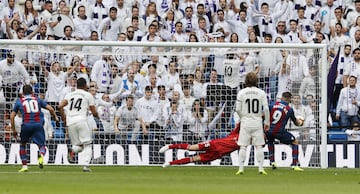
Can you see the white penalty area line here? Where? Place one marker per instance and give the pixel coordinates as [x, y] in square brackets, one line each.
[45, 172]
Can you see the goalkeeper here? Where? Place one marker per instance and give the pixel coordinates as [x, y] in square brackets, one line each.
[280, 113]
[213, 149]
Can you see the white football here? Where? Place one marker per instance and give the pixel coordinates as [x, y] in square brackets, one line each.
[302, 119]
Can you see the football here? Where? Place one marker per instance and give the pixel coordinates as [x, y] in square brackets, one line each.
[301, 119]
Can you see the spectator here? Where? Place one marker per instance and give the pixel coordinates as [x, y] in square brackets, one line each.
[101, 73]
[198, 87]
[148, 113]
[179, 35]
[30, 17]
[123, 10]
[55, 83]
[338, 19]
[83, 25]
[311, 10]
[298, 69]
[348, 104]
[171, 79]
[202, 32]
[201, 13]
[198, 121]
[344, 60]
[134, 17]
[169, 21]
[98, 12]
[354, 133]
[151, 14]
[189, 21]
[188, 99]
[307, 86]
[355, 27]
[110, 26]
[13, 75]
[127, 121]
[338, 40]
[129, 86]
[327, 12]
[270, 61]
[293, 36]
[107, 115]
[163, 6]
[92, 51]
[353, 67]
[239, 23]
[302, 111]
[222, 24]
[355, 39]
[174, 119]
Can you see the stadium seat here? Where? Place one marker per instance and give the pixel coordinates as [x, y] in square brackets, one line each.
[337, 135]
[59, 131]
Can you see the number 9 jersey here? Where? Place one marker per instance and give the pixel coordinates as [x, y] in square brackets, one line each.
[77, 107]
[280, 113]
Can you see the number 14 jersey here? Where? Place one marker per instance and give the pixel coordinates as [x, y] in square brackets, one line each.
[77, 107]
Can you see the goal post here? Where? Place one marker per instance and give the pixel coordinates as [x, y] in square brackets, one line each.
[111, 147]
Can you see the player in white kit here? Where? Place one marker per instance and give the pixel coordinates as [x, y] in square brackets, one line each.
[79, 102]
[251, 106]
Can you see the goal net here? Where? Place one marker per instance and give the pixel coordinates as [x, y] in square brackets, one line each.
[203, 80]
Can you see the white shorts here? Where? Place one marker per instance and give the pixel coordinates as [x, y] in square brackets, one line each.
[254, 136]
[80, 133]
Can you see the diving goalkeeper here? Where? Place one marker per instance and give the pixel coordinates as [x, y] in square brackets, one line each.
[214, 149]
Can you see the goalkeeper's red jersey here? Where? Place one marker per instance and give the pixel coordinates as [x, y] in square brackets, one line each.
[227, 144]
[219, 147]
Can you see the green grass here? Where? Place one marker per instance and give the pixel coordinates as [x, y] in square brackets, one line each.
[173, 180]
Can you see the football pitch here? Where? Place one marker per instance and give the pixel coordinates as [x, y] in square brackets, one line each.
[174, 180]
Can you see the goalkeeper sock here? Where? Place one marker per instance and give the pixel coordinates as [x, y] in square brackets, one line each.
[183, 146]
[295, 154]
[181, 161]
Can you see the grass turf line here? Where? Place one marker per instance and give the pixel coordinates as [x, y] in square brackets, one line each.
[174, 180]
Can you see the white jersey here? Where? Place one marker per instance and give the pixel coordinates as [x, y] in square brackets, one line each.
[78, 104]
[251, 103]
[13, 73]
[231, 75]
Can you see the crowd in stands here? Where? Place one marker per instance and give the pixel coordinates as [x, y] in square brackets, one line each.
[162, 96]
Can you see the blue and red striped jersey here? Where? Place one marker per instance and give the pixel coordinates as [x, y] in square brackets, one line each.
[280, 113]
[30, 108]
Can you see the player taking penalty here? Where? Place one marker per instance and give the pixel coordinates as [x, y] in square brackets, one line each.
[30, 106]
[280, 113]
[214, 149]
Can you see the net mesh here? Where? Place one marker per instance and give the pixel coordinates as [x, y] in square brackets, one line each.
[207, 76]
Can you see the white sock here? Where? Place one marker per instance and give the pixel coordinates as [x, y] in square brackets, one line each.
[77, 148]
[242, 156]
[87, 153]
[260, 157]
